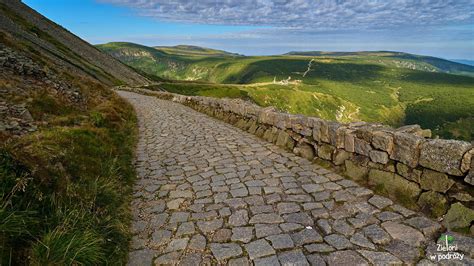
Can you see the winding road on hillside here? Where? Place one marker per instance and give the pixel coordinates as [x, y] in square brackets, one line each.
[208, 193]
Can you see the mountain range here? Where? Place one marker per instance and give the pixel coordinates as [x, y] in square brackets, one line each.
[379, 86]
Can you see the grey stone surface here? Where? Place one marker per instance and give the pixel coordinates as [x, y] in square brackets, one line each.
[292, 258]
[407, 253]
[186, 229]
[242, 234]
[425, 225]
[287, 207]
[209, 192]
[171, 258]
[342, 227]
[380, 202]
[282, 241]
[259, 248]
[161, 237]
[380, 258]
[311, 248]
[264, 230]
[298, 218]
[306, 236]
[239, 262]
[141, 257]
[225, 251]
[209, 226]
[376, 234]
[266, 218]
[338, 241]
[404, 233]
[346, 258]
[197, 242]
[222, 235]
[267, 261]
[177, 244]
[239, 218]
[362, 241]
[315, 260]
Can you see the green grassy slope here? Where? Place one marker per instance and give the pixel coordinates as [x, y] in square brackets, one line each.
[411, 61]
[193, 51]
[387, 87]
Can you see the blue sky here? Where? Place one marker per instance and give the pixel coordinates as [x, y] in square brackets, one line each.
[443, 28]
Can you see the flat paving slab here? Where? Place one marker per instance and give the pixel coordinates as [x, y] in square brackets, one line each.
[209, 193]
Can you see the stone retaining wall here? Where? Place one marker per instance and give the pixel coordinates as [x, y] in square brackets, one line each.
[422, 173]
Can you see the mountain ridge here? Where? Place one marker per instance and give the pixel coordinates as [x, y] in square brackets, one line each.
[386, 87]
[407, 60]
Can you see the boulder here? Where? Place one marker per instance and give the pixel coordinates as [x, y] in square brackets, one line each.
[323, 128]
[355, 171]
[395, 185]
[325, 152]
[406, 148]
[409, 173]
[404, 233]
[269, 135]
[383, 141]
[267, 115]
[282, 121]
[284, 140]
[362, 147]
[470, 178]
[388, 167]
[300, 124]
[433, 203]
[444, 155]
[411, 129]
[316, 123]
[340, 156]
[378, 156]
[467, 162]
[253, 128]
[436, 181]
[365, 132]
[336, 137]
[304, 150]
[260, 131]
[349, 138]
[458, 216]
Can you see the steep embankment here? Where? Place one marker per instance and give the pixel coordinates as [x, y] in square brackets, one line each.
[48, 40]
[66, 146]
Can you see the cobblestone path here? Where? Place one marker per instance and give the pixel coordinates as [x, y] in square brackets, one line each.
[209, 193]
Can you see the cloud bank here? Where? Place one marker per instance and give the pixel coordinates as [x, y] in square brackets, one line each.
[308, 14]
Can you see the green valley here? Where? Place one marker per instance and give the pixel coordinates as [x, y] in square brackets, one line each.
[387, 87]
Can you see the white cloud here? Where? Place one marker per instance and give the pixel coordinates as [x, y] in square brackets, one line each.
[308, 14]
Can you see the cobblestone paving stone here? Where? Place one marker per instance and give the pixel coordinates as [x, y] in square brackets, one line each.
[208, 193]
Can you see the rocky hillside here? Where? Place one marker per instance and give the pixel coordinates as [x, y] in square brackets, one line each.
[38, 55]
[46, 39]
